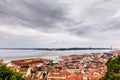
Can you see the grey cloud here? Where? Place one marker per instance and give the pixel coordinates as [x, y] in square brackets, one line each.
[97, 17]
[35, 14]
[46, 15]
[93, 19]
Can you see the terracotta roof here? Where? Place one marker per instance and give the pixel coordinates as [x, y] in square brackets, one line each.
[60, 74]
[74, 78]
[77, 76]
[30, 61]
[75, 56]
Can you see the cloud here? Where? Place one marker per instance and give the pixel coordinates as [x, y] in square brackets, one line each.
[34, 14]
[61, 22]
[20, 31]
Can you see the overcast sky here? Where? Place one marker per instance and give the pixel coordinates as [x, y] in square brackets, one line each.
[59, 23]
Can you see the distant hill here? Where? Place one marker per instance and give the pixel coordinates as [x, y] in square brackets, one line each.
[55, 49]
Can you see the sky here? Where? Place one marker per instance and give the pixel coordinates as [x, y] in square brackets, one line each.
[59, 23]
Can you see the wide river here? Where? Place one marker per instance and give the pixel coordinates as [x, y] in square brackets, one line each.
[8, 55]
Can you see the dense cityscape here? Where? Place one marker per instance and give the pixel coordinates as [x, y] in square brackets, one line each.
[89, 66]
[59, 40]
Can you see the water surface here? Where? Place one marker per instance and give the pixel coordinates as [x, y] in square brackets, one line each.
[8, 55]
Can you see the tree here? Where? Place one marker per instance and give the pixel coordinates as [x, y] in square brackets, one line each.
[113, 69]
[8, 74]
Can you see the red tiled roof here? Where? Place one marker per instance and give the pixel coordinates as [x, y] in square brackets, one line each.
[30, 61]
[60, 74]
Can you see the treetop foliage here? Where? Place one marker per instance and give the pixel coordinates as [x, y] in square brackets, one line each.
[8, 74]
[113, 69]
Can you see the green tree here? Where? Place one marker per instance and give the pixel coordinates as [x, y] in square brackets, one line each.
[8, 74]
[113, 69]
